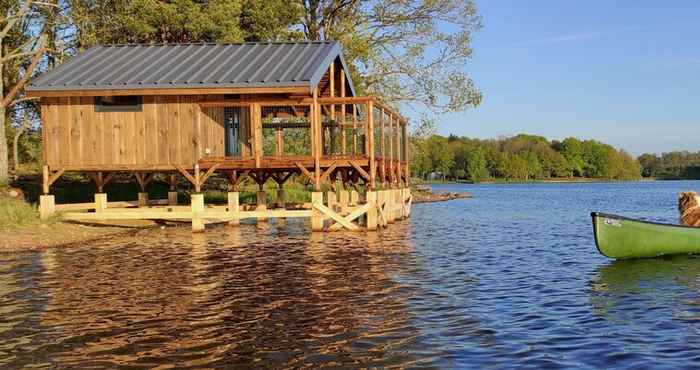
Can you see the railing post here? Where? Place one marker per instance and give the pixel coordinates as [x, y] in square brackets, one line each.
[372, 163]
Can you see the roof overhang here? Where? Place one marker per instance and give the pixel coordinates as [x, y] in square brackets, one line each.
[301, 89]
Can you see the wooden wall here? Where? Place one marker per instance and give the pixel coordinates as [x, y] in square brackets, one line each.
[170, 130]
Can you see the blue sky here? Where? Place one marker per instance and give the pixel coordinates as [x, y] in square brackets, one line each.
[622, 72]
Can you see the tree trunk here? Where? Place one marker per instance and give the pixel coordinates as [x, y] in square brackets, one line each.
[4, 165]
[15, 152]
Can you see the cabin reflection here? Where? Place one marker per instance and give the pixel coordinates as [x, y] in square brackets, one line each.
[232, 297]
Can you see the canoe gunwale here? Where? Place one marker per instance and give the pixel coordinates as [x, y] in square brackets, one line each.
[608, 215]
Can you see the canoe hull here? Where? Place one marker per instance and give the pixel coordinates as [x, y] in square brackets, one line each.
[621, 237]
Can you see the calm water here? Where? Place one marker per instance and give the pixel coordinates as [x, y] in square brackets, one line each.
[510, 278]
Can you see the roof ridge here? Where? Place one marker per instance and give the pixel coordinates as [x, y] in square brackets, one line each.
[220, 43]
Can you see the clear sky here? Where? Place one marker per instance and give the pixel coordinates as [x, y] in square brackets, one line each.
[625, 72]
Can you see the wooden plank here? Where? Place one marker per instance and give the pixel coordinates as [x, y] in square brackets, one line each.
[150, 123]
[187, 136]
[335, 217]
[173, 117]
[163, 139]
[64, 123]
[352, 216]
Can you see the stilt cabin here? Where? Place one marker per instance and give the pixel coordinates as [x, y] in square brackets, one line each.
[262, 110]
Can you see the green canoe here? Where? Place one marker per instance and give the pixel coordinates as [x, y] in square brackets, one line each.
[621, 237]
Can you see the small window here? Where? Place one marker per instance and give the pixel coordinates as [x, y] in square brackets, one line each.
[117, 104]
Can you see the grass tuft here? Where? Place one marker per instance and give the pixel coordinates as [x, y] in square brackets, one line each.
[17, 212]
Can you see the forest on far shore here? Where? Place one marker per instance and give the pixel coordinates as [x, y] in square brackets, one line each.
[529, 157]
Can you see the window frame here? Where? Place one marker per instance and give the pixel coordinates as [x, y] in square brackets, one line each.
[134, 107]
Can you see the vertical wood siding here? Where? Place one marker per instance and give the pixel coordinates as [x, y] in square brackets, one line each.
[169, 130]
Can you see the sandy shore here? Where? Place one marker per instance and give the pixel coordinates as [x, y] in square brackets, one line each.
[35, 237]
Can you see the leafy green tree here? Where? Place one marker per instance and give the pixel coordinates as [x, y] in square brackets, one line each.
[476, 166]
[403, 51]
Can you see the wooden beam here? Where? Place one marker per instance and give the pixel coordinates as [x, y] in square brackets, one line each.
[208, 174]
[335, 217]
[328, 171]
[360, 171]
[352, 216]
[187, 175]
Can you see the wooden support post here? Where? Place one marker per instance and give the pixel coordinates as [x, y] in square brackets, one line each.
[197, 203]
[100, 202]
[316, 140]
[372, 212]
[261, 204]
[256, 120]
[281, 202]
[344, 200]
[197, 179]
[234, 207]
[316, 215]
[172, 198]
[332, 200]
[46, 185]
[47, 206]
[370, 146]
[143, 199]
[354, 198]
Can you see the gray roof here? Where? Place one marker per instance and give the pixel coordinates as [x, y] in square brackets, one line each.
[205, 65]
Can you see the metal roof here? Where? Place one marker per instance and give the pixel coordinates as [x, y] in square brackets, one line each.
[204, 65]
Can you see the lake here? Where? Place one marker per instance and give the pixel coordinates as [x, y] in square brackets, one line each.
[508, 279]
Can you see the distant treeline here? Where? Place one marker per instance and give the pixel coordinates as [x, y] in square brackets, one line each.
[671, 165]
[519, 158]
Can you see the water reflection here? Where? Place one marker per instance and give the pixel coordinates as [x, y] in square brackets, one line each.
[269, 294]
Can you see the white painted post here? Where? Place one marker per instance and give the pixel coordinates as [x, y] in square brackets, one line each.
[47, 206]
[234, 208]
[100, 202]
[316, 215]
[197, 201]
[262, 204]
[372, 212]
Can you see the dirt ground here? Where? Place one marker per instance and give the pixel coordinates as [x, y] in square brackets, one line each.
[57, 234]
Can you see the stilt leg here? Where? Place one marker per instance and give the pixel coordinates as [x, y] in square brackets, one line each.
[197, 201]
[172, 198]
[47, 206]
[234, 208]
[316, 216]
[100, 202]
[143, 199]
[262, 204]
[344, 200]
[372, 212]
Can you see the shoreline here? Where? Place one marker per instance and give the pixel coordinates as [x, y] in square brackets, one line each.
[551, 181]
[60, 234]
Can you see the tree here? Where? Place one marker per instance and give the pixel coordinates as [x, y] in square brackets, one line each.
[476, 166]
[439, 155]
[403, 50]
[30, 51]
[572, 151]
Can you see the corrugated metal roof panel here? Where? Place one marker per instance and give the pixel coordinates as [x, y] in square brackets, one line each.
[274, 64]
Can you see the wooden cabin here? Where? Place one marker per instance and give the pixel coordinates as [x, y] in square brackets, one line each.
[263, 110]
